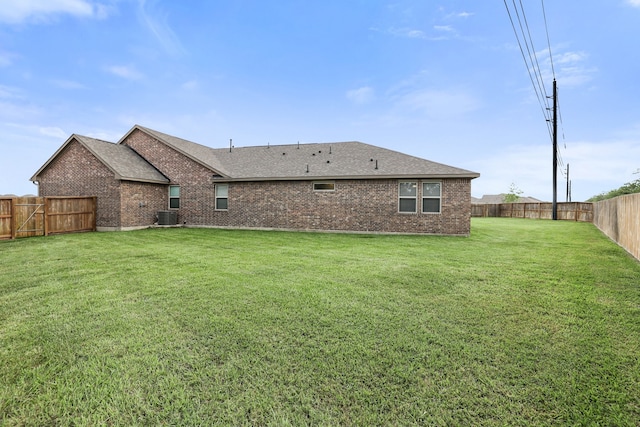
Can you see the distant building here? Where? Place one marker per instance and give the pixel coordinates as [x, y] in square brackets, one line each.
[494, 199]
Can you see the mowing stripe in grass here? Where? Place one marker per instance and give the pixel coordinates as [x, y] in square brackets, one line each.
[524, 322]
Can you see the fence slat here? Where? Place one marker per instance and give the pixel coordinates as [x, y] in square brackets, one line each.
[619, 219]
[571, 211]
[42, 216]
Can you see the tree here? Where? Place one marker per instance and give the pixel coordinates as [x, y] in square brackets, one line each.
[628, 188]
[513, 195]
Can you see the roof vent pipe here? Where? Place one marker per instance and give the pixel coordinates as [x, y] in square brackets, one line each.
[230, 144]
[376, 163]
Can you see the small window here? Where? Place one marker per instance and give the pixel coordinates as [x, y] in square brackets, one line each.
[174, 197]
[408, 197]
[222, 197]
[431, 193]
[324, 186]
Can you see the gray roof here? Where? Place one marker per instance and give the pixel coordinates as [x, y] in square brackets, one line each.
[329, 160]
[200, 153]
[125, 163]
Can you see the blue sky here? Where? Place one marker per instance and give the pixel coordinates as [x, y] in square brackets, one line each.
[442, 80]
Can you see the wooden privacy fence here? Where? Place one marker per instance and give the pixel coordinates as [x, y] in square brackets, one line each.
[572, 211]
[619, 218]
[43, 216]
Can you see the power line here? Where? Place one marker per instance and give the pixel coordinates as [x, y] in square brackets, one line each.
[533, 68]
[543, 105]
[546, 27]
[532, 63]
[535, 57]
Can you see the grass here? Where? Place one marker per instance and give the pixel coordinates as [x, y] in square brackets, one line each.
[524, 323]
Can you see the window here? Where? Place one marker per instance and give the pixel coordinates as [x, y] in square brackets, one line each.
[431, 192]
[174, 197]
[408, 196]
[324, 186]
[222, 201]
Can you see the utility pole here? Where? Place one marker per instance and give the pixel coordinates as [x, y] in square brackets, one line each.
[568, 184]
[555, 151]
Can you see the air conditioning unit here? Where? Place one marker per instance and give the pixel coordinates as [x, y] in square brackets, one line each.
[167, 217]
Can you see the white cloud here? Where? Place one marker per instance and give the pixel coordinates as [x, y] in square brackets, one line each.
[68, 84]
[407, 32]
[125, 71]
[634, 3]
[9, 92]
[571, 67]
[156, 21]
[54, 132]
[19, 11]
[570, 57]
[190, 85]
[437, 103]
[444, 28]
[5, 59]
[595, 167]
[361, 96]
[454, 15]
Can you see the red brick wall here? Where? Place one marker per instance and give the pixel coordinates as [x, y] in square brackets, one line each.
[355, 205]
[195, 180]
[141, 203]
[76, 172]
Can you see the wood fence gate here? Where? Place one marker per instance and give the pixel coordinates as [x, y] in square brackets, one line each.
[43, 216]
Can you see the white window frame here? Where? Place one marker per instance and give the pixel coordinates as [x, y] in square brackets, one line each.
[323, 183]
[431, 197]
[174, 197]
[218, 197]
[407, 197]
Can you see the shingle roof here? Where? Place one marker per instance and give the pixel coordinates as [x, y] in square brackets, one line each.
[125, 163]
[197, 152]
[330, 160]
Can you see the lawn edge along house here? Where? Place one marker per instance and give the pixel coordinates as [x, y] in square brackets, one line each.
[337, 186]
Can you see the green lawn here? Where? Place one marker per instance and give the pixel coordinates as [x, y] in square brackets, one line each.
[523, 323]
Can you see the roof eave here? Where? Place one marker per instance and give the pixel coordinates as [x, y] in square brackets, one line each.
[167, 143]
[345, 177]
[143, 180]
[35, 176]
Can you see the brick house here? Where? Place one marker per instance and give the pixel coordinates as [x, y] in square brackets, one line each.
[344, 186]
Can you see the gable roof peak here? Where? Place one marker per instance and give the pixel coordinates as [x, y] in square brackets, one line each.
[314, 160]
[125, 163]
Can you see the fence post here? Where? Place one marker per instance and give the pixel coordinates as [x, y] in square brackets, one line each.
[94, 207]
[45, 220]
[12, 220]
